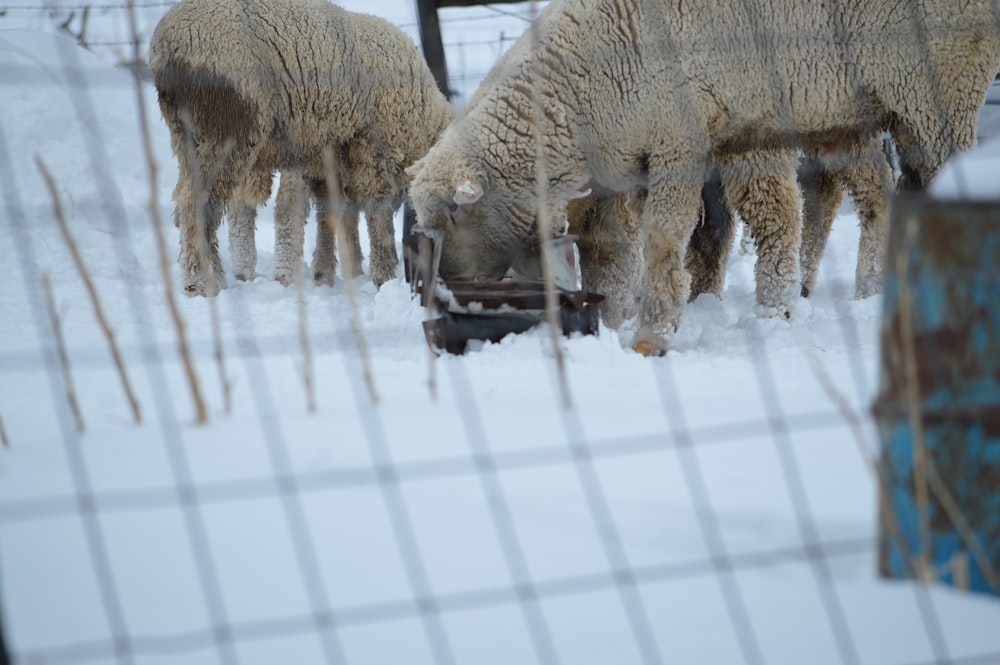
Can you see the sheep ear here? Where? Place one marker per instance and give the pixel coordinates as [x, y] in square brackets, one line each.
[413, 169]
[468, 192]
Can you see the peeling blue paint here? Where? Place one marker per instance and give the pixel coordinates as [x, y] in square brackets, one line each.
[951, 287]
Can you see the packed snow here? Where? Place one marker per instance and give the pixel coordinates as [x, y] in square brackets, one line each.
[712, 507]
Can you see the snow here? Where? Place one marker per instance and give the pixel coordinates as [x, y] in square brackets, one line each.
[969, 176]
[672, 514]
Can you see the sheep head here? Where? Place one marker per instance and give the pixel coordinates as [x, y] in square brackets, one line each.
[480, 234]
[487, 223]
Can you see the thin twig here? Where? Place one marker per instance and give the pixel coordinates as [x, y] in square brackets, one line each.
[88, 284]
[544, 223]
[951, 508]
[335, 217]
[886, 513]
[4, 441]
[74, 406]
[201, 413]
[912, 400]
[201, 247]
[220, 360]
[307, 362]
[432, 313]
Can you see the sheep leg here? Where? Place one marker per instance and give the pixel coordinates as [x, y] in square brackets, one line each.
[925, 143]
[324, 261]
[870, 185]
[765, 193]
[670, 213]
[708, 251]
[242, 219]
[384, 261]
[610, 246]
[198, 213]
[197, 217]
[821, 197]
[746, 240]
[290, 214]
[350, 238]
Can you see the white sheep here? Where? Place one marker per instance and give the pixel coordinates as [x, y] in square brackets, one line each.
[824, 173]
[647, 94]
[864, 171]
[252, 87]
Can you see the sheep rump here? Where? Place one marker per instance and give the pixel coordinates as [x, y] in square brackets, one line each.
[646, 95]
[252, 87]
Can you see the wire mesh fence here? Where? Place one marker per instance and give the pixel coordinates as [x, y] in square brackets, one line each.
[718, 505]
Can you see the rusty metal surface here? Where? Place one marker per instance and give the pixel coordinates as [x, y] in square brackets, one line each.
[940, 389]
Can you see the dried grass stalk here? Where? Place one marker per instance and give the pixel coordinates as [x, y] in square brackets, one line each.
[4, 441]
[201, 413]
[552, 315]
[74, 405]
[886, 513]
[912, 398]
[88, 284]
[335, 218]
[220, 359]
[307, 362]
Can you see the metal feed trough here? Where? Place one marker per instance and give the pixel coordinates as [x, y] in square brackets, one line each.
[461, 312]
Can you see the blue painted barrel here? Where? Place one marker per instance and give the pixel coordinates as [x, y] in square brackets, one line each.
[939, 384]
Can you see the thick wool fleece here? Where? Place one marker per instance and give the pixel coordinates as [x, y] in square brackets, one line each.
[646, 95]
[252, 87]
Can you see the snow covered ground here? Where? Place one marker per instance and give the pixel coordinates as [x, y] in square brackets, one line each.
[713, 507]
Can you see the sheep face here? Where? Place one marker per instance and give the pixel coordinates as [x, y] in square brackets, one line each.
[483, 232]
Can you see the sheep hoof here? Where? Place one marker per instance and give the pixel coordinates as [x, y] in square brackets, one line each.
[867, 288]
[198, 289]
[805, 291]
[284, 280]
[321, 278]
[380, 279]
[245, 277]
[647, 348]
[648, 343]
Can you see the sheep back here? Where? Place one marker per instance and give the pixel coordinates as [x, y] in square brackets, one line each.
[294, 76]
[647, 94]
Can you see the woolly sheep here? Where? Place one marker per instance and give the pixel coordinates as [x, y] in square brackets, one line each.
[609, 235]
[294, 195]
[252, 87]
[824, 173]
[646, 94]
[606, 224]
[864, 171]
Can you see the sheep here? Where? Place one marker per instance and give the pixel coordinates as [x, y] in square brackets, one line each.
[605, 223]
[646, 94]
[824, 172]
[294, 194]
[864, 171]
[248, 88]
